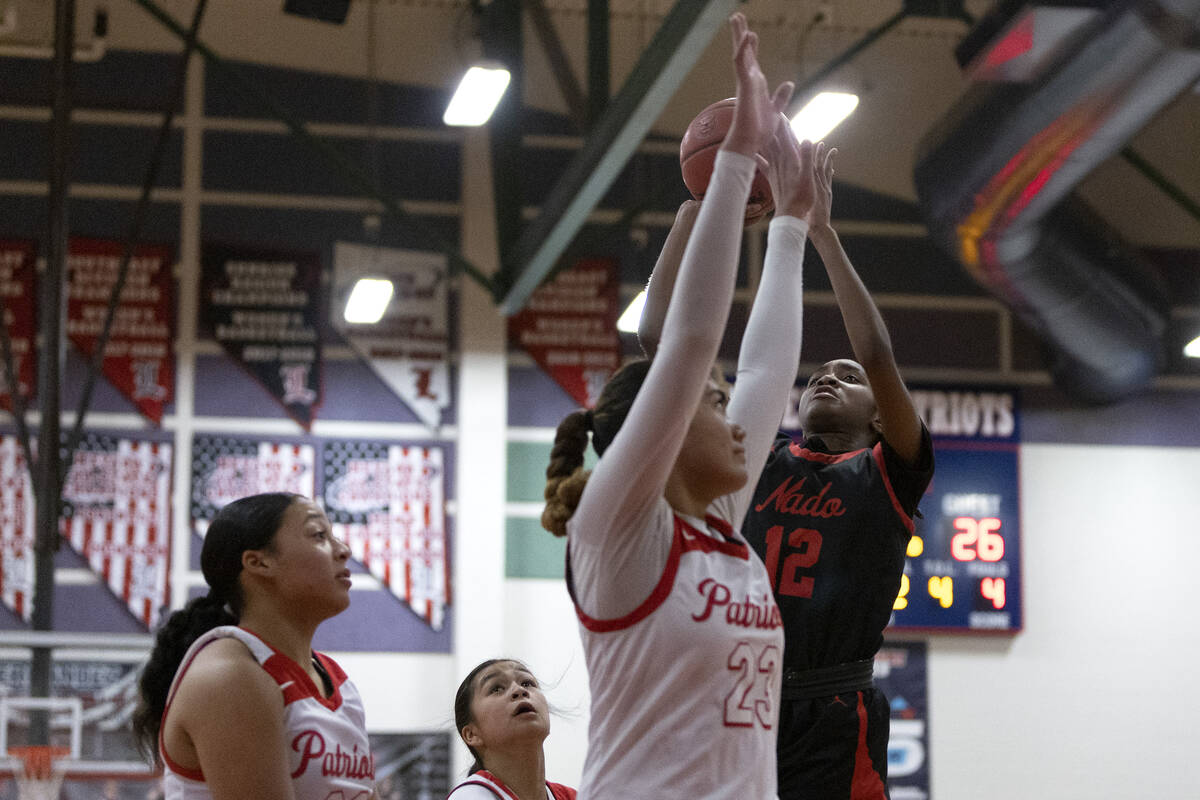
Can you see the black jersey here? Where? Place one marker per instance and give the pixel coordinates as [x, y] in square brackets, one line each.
[832, 529]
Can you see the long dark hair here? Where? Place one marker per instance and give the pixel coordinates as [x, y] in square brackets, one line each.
[565, 476]
[462, 703]
[246, 524]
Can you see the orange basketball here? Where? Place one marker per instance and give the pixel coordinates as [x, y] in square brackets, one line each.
[698, 151]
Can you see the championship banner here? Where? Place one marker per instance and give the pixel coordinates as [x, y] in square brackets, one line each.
[408, 348]
[225, 469]
[569, 326]
[900, 672]
[388, 503]
[138, 360]
[117, 515]
[18, 265]
[262, 307]
[17, 527]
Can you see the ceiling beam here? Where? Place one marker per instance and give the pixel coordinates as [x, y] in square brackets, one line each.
[560, 65]
[666, 61]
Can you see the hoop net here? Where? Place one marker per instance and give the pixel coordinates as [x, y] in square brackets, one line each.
[39, 774]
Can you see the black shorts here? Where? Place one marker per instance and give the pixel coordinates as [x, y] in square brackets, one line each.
[834, 748]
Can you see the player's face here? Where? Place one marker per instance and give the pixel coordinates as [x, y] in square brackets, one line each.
[309, 563]
[837, 396]
[713, 456]
[507, 706]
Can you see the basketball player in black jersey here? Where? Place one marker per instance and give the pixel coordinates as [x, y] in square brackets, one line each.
[831, 518]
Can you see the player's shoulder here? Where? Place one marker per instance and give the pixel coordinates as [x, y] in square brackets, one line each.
[469, 790]
[221, 665]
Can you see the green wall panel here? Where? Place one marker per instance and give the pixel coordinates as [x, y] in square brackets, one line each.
[532, 552]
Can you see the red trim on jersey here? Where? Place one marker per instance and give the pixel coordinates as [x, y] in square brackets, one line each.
[866, 783]
[496, 786]
[295, 681]
[685, 538]
[699, 540]
[824, 458]
[179, 769]
[656, 598]
[877, 453]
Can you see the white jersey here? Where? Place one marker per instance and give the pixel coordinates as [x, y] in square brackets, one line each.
[685, 688]
[327, 737]
[483, 785]
[680, 630]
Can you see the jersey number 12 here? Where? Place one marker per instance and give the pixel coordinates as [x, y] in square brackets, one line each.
[807, 543]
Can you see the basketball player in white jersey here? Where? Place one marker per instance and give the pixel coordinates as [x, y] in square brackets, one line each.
[682, 638]
[503, 718]
[234, 702]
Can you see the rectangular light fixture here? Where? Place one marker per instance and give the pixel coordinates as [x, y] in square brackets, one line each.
[1192, 350]
[628, 323]
[822, 114]
[368, 300]
[477, 95]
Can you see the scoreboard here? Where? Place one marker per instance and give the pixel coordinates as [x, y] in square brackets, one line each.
[963, 571]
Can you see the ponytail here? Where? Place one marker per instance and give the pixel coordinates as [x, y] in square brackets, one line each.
[174, 638]
[566, 477]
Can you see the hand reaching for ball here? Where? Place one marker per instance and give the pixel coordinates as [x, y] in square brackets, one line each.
[756, 112]
[790, 171]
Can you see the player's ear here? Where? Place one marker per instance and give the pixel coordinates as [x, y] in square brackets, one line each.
[877, 426]
[256, 562]
[470, 735]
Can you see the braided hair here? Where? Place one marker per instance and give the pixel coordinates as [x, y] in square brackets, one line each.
[565, 476]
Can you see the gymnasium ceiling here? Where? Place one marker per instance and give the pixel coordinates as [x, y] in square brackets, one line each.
[906, 79]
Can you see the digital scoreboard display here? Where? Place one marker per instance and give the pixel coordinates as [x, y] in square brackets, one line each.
[963, 572]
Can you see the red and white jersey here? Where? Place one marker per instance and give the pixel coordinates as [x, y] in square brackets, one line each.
[483, 785]
[685, 688]
[330, 757]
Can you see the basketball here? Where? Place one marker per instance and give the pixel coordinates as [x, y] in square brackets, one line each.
[698, 152]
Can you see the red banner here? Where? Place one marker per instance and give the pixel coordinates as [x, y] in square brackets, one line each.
[138, 361]
[18, 265]
[569, 326]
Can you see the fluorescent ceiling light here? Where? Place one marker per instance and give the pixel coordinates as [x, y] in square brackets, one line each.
[477, 95]
[368, 300]
[628, 323]
[822, 114]
[1192, 350]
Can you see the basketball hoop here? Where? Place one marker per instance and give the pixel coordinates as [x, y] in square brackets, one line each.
[39, 773]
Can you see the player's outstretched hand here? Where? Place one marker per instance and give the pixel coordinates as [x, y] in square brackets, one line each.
[822, 168]
[790, 171]
[756, 110]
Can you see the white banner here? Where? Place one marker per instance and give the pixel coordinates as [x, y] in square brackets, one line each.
[117, 503]
[388, 503]
[408, 348]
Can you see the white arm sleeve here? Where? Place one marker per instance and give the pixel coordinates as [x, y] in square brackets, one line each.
[617, 540]
[770, 354]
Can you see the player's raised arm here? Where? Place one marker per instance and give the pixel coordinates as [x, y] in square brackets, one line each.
[901, 426]
[770, 350]
[633, 474]
[662, 279]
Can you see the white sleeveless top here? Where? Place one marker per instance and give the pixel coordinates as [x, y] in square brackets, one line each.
[327, 737]
[685, 688]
